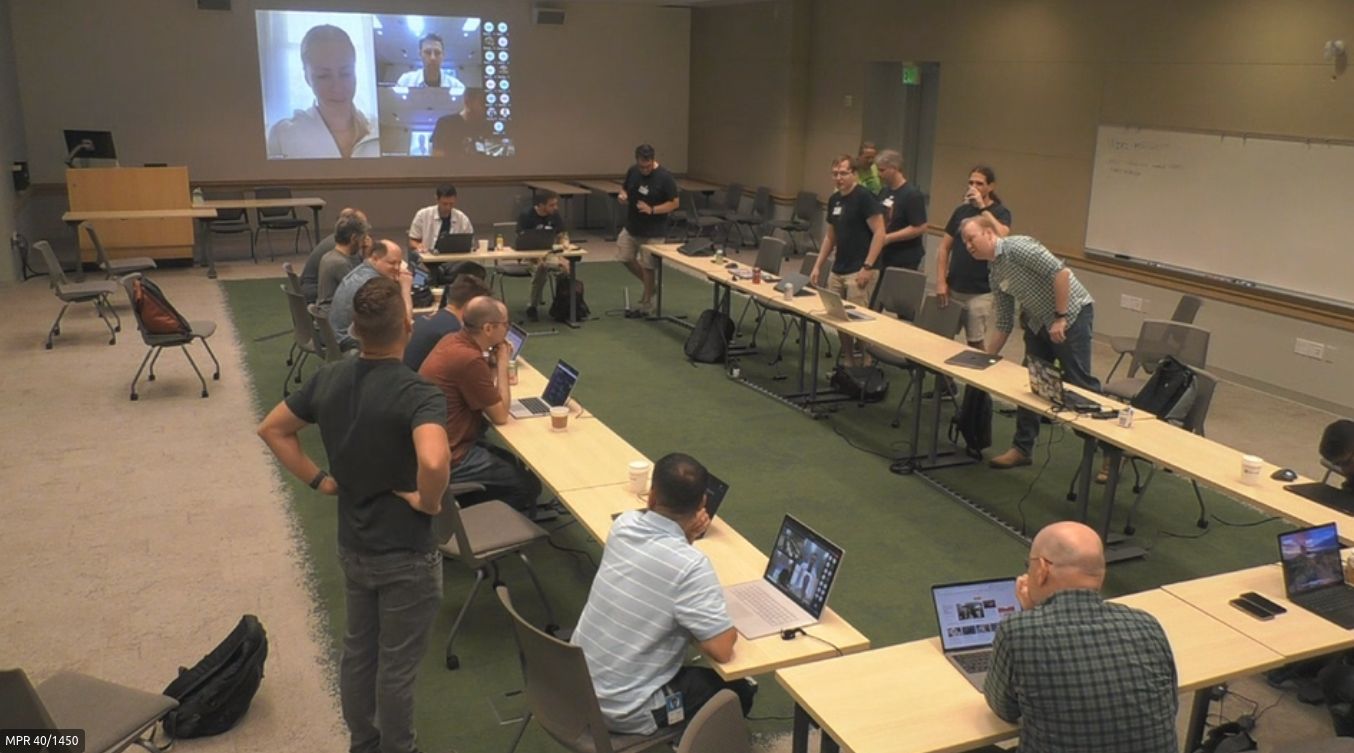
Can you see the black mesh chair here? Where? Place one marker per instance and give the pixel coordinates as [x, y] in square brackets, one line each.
[1186, 309]
[800, 224]
[279, 218]
[750, 224]
[233, 221]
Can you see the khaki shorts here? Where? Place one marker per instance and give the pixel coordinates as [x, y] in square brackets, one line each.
[846, 287]
[631, 248]
[979, 314]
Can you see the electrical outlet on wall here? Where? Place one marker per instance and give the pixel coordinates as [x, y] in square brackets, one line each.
[1130, 302]
[1310, 349]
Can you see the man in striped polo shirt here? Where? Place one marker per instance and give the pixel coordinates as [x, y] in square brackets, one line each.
[653, 593]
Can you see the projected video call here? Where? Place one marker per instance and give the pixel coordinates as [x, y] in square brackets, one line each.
[363, 85]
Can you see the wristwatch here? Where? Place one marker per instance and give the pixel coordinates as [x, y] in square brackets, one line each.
[1059, 315]
[867, 266]
[319, 479]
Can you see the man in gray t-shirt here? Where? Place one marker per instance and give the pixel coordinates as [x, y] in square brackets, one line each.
[351, 235]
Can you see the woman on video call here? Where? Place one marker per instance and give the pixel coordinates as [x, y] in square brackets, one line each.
[333, 127]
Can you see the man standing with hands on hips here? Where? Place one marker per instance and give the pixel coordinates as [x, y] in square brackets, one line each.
[1056, 311]
[650, 194]
[855, 233]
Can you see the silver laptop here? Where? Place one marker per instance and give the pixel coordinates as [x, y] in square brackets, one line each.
[797, 283]
[557, 391]
[517, 337]
[836, 308]
[968, 614]
[794, 588]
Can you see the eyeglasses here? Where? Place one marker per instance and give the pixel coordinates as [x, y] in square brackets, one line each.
[1050, 562]
[840, 173]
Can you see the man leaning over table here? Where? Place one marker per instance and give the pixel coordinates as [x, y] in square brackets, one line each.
[1077, 672]
[653, 593]
[1056, 312]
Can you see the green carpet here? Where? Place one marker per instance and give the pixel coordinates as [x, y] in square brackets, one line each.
[900, 533]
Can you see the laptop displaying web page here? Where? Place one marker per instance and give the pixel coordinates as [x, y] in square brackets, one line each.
[517, 337]
[968, 615]
[794, 588]
[557, 391]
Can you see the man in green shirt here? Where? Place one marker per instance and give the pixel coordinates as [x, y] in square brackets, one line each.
[867, 172]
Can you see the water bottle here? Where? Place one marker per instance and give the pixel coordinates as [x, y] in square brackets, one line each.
[197, 196]
[498, 242]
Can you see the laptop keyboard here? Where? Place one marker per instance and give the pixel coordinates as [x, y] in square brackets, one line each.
[1329, 599]
[764, 606]
[535, 405]
[1079, 403]
[973, 663]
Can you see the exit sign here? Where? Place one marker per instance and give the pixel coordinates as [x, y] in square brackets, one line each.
[911, 75]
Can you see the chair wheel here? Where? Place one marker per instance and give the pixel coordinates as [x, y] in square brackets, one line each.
[217, 376]
[56, 330]
[551, 629]
[134, 397]
[48, 346]
[112, 341]
[118, 328]
[1202, 523]
[453, 663]
[1128, 530]
[150, 377]
[204, 393]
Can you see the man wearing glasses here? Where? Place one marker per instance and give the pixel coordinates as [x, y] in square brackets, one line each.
[1077, 672]
[855, 233]
[471, 369]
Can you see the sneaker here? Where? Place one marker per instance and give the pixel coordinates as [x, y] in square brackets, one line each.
[1012, 458]
[532, 314]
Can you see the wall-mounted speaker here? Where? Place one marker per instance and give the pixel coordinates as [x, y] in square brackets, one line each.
[546, 15]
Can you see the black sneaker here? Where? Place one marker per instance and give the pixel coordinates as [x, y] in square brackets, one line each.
[532, 314]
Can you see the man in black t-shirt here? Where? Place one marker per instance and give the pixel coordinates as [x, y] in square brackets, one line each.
[463, 133]
[958, 274]
[855, 232]
[650, 195]
[904, 214]
[543, 214]
[384, 434]
[1337, 448]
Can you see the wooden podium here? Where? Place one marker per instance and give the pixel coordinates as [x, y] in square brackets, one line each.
[123, 188]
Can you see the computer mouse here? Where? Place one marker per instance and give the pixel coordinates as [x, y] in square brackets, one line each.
[731, 265]
[1284, 474]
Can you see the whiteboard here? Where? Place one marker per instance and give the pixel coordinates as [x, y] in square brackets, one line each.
[1261, 212]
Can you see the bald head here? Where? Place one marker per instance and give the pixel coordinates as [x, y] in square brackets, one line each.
[1065, 556]
[486, 321]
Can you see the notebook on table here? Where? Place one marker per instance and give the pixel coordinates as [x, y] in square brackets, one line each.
[557, 391]
[968, 615]
[1047, 382]
[793, 589]
[1313, 577]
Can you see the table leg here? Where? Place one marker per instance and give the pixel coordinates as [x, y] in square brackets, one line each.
[1198, 718]
[658, 285]
[573, 291]
[1084, 480]
[1115, 550]
[315, 210]
[799, 739]
[803, 333]
[78, 274]
[813, 378]
[204, 240]
[825, 742]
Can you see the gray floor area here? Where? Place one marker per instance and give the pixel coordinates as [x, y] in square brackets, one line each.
[84, 470]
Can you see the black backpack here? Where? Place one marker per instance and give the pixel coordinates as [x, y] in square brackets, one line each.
[559, 308]
[973, 422]
[217, 691]
[709, 339]
[1169, 393]
[864, 383]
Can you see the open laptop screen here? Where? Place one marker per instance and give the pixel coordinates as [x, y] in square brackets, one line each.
[561, 383]
[803, 566]
[1045, 381]
[714, 494]
[517, 337]
[969, 613]
[1311, 558]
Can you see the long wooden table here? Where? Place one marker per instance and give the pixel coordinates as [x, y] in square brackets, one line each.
[573, 255]
[75, 218]
[909, 699]
[587, 466]
[566, 191]
[313, 203]
[610, 189]
[1190, 455]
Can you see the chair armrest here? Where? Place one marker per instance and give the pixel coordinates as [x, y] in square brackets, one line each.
[463, 487]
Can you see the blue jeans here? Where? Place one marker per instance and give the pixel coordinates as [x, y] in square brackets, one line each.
[1073, 354]
[392, 600]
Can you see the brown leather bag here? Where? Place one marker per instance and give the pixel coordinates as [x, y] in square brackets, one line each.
[157, 315]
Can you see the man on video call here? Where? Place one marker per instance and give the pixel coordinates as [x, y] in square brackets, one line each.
[431, 50]
[458, 134]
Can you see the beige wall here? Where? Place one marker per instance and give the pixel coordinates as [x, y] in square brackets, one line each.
[180, 85]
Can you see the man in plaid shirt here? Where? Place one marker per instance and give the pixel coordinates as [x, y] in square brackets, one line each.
[1079, 673]
[1056, 311]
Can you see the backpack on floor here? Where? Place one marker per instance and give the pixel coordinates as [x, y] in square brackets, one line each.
[1169, 393]
[973, 422]
[709, 339]
[215, 694]
[559, 307]
[157, 314]
[864, 383]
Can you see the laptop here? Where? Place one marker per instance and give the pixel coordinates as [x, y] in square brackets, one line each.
[968, 615]
[697, 247]
[1313, 576]
[836, 309]
[557, 390]
[1331, 496]
[973, 359]
[715, 491]
[517, 337]
[797, 282]
[454, 243]
[1047, 382]
[535, 239]
[793, 589]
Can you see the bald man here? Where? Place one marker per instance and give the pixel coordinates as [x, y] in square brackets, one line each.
[1077, 672]
[471, 369]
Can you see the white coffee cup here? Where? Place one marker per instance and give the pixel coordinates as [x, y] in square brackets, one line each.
[788, 288]
[559, 418]
[1251, 465]
[483, 244]
[639, 476]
